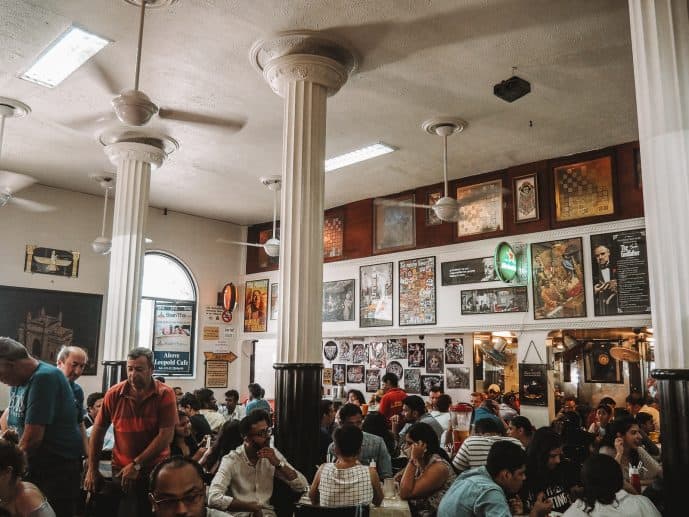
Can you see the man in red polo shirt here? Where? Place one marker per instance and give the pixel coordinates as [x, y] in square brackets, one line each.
[391, 403]
[143, 412]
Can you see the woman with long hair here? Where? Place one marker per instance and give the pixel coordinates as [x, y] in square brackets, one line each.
[428, 474]
[623, 442]
[228, 440]
[547, 471]
[374, 423]
[19, 498]
[356, 397]
[603, 493]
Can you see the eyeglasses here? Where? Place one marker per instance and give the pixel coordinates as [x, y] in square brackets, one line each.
[263, 432]
[171, 503]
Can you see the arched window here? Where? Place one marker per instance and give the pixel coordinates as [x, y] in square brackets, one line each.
[167, 317]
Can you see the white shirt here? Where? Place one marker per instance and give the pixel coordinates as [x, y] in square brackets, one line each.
[625, 505]
[237, 477]
[474, 451]
[238, 413]
[345, 487]
[215, 420]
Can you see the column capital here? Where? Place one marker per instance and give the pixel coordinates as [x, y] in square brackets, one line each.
[135, 151]
[303, 55]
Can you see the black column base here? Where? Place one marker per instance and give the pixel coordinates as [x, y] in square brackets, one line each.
[113, 372]
[297, 400]
[673, 388]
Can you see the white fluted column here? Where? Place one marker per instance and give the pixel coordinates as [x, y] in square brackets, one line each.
[660, 44]
[134, 163]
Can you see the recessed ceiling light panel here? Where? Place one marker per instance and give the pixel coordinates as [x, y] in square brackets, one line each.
[358, 155]
[63, 56]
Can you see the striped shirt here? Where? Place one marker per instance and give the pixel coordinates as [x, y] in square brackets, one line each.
[345, 487]
[137, 423]
[474, 451]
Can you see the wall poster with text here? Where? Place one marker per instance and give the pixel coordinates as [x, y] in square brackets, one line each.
[256, 306]
[172, 338]
[417, 291]
[375, 295]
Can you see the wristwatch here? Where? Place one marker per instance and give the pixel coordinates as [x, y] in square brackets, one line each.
[137, 466]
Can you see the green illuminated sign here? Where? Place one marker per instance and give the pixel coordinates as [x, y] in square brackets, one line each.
[505, 262]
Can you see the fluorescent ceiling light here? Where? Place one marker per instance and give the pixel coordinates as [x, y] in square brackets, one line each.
[63, 56]
[359, 155]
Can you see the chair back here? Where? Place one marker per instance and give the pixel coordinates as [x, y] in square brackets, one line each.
[306, 510]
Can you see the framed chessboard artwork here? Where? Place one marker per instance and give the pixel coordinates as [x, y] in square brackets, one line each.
[480, 208]
[584, 189]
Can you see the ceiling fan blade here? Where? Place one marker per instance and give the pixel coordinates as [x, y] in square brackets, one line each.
[14, 181]
[190, 117]
[102, 75]
[478, 195]
[393, 202]
[92, 123]
[225, 241]
[31, 206]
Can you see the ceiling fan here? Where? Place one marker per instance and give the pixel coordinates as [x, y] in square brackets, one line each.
[272, 245]
[135, 108]
[13, 182]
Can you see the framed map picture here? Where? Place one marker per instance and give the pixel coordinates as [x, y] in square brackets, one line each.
[394, 226]
[526, 198]
[558, 279]
[417, 291]
[256, 306]
[480, 208]
[375, 295]
[584, 189]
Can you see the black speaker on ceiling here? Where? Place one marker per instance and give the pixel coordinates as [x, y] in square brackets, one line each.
[512, 89]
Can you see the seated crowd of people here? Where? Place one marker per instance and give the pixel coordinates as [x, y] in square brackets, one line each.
[151, 449]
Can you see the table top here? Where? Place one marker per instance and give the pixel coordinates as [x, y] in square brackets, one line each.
[389, 507]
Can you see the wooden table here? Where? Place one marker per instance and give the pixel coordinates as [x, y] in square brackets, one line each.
[391, 508]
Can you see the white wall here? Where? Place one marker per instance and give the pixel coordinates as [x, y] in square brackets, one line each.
[76, 221]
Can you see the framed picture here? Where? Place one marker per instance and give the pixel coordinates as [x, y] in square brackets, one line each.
[457, 378]
[468, 271]
[480, 208]
[394, 226]
[375, 295]
[435, 361]
[533, 384]
[333, 236]
[216, 374]
[397, 348]
[173, 338]
[330, 350]
[431, 199]
[584, 189]
[358, 353]
[619, 268]
[355, 374]
[417, 292]
[558, 279]
[338, 300]
[599, 365]
[273, 301]
[376, 355]
[454, 351]
[339, 374]
[49, 261]
[428, 381]
[327, 376]
[525, 190]
[345, 351]
[417, 355]
[372, 381]
[495, 300]
[412, 380]
[43, 321]
[396, 368]
[265, 261]
[256, 306]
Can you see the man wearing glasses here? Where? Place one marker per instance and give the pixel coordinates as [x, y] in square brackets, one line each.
[244, 481]
[177, 490]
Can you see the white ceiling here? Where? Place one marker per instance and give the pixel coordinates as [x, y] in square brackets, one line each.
[418, 59]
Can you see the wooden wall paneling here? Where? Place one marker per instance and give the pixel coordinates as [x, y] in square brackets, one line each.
[630, 192]
[358, 237]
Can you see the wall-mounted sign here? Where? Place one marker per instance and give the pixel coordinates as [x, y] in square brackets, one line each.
[172, 338]
[50, 261]
[510, 263]
[216, 374]
[211, 333]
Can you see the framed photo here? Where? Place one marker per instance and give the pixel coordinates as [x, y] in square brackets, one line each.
[339, 374]
[480, 208]
[376, 355]
[330, 350]
[345, 351]
[495, 300]
[372, 381]
[173, 338]
[49, 261]
[333, 236]
[375, 295]
[397, 348]
[435, 361]
[216, 374]
[396, 368]
[43, 321]
[265, 261]
[417, 355]
[558, 279]
[584, 189]
[256, 306]
[457, 378]
[359, 353]
[355, 374]
[619, 268]
[525, 190]
[273, 301]
[327, 376]
[394, 227]
[468, 271]
[417, 292]
[428, 381]
[454, 351]
[431, 199]
[412, 380]
[338, 300]
[533, 384]
[599, 365]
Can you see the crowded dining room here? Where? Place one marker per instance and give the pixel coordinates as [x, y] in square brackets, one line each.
[344, 258]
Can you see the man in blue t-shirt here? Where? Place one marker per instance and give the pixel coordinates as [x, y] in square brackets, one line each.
[72, 361]
[43, 412]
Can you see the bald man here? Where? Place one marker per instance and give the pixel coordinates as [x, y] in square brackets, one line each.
[72, 360]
